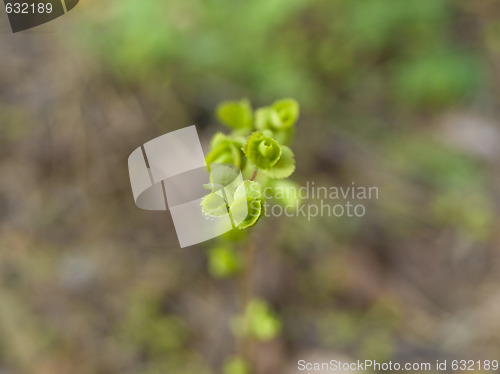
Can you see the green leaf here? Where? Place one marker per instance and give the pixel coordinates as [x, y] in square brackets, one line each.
[267, 118]
[250, 189]
[236, 114]
[288, 113]
[217, 139]
[214, 205]
[286, 192]
[227, 149]
[224, 262]
[246, 212]
[285, 165]
[268, 133]
[225, 155]
[262, 151]
[220, 138]
[281, 116]
[223, 174]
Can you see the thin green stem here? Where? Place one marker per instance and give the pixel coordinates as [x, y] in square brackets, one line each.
[246, 343]
[254, 175]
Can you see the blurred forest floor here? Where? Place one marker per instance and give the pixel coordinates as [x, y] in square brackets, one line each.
[398, 95]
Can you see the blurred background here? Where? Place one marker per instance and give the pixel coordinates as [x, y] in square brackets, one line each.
[401, 95]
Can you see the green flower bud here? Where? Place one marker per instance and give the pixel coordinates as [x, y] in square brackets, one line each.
[285, 165]
[267, 118]
[281, 116]
[227, 150]
[288, 113]
[236, 114]
[262, 151]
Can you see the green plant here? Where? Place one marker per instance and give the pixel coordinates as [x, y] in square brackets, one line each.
[258, 146]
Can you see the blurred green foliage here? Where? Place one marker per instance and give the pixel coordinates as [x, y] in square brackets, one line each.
[147, 329]
[258, 321]
[405, 51]
[369, 334]
[437, 80]
[224, 262]
[469, 212]
[426, 159]
[236, 365]
[162, 338]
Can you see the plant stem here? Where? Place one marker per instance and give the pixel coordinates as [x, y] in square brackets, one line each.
[246, 343]
[254, 175]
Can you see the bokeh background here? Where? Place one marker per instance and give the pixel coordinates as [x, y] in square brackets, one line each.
[402, 95]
